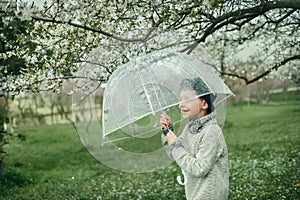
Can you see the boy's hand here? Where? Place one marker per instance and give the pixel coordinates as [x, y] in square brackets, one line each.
[165, 120]
[171, 137]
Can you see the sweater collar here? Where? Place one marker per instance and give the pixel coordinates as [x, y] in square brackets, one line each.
[194, 126]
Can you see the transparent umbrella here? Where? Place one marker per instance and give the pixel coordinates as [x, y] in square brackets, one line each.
[137, 92]
[126, 135]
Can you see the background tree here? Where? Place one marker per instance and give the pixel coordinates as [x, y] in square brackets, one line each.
[11, 65]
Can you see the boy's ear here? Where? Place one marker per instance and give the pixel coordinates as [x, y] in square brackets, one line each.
[204, 105]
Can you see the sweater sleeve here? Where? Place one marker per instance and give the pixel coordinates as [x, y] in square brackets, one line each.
[209, 150]
[167, 147]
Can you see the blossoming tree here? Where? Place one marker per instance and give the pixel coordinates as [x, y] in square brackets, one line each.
[61, 36]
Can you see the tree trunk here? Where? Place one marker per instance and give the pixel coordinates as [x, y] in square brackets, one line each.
[1, 168]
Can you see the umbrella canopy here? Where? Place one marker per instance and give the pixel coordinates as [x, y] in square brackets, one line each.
[138, 91]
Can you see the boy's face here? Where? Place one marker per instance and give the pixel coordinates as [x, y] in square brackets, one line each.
[191, 106]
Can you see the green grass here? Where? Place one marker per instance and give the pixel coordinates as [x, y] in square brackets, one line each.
[264, 150]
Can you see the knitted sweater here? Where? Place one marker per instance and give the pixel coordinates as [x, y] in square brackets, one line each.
[201, 152]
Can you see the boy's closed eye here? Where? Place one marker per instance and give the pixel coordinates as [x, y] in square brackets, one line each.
[183, 100]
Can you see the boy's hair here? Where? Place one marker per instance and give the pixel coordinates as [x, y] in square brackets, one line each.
[201, 89]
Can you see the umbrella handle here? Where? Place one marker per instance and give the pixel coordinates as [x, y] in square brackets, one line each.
[166, 130]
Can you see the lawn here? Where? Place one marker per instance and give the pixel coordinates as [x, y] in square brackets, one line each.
[264, 159]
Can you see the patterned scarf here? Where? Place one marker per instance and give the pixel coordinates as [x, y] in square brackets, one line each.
[195, 126]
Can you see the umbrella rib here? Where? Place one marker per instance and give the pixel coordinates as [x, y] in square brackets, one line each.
[146, 92]
[114, 140]
[123, 138]
[160, 91]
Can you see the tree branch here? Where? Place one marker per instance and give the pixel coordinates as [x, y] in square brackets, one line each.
[275, 67]
[249, 81]
[89, 28]
[234, 16]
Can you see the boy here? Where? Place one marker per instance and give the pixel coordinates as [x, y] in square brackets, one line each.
[200, 151]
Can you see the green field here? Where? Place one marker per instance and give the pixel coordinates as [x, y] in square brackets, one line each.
[264, 159]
